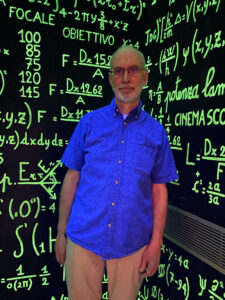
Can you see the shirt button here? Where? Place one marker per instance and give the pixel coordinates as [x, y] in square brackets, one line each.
[124, 123]
[119, 161]
[109, 225]
[136, 117]
[116, 182]
[122, 142]
[113, 203]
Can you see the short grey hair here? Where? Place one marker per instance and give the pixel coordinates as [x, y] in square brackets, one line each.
[128, 47]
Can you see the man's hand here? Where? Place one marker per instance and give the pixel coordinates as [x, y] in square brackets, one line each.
[150, 260]
[60, 248]
[151, 256]
[69, 187]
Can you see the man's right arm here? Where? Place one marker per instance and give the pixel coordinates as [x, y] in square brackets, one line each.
[69, 187]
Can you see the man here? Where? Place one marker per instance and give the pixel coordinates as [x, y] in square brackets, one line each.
[113, 202]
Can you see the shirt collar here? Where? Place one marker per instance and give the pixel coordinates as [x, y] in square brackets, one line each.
[135, 112]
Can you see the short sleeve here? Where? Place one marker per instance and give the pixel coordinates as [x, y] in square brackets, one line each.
[164, 169]
[73, 157]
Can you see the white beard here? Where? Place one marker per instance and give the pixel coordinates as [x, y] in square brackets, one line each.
[123, 99]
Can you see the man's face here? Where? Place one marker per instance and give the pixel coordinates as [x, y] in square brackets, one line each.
[127, 86]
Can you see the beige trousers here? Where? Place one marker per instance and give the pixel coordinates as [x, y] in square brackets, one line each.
[85, 270]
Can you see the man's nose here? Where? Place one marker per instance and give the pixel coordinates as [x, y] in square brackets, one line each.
[126, 76]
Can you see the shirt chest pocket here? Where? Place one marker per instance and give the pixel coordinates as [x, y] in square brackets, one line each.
[98, 146]
[144, 153]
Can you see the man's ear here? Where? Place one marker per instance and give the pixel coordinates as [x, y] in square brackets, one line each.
[145, 77]
[110, 78]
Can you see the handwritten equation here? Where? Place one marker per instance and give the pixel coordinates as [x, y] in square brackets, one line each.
[124, 7]
[212, 155]
[177, 56]
[25, 281]
[44, 177]
[166, 25]
[181, 278]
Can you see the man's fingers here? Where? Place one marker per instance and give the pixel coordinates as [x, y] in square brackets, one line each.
[142, 267]
[60, 259]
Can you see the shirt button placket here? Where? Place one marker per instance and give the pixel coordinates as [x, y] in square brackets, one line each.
[113, 205]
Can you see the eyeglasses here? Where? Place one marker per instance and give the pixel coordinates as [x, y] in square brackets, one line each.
[132, 71]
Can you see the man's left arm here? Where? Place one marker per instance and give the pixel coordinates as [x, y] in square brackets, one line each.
[151, 256]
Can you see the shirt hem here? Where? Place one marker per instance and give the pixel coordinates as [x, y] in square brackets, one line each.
[104, 257]
[165, 179]
[67, 164]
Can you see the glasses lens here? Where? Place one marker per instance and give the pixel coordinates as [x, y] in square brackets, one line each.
[118, 71]
[133, 70]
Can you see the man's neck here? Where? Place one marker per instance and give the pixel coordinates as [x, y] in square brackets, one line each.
[126, 107]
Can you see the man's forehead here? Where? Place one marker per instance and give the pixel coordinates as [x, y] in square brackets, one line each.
[127, 54]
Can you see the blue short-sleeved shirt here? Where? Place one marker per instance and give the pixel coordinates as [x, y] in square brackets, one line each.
[118, 160]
